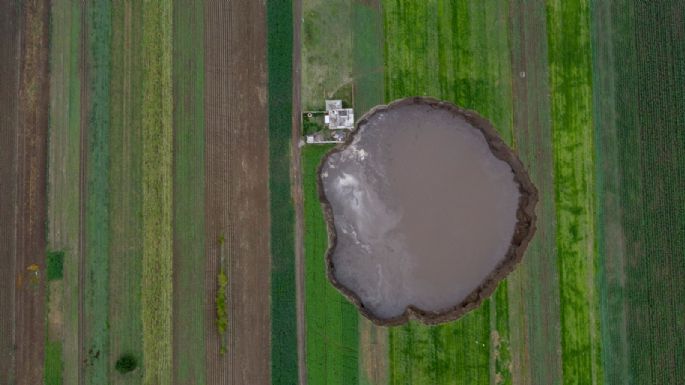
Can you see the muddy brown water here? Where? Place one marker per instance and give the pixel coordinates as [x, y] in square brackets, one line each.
[422, 209]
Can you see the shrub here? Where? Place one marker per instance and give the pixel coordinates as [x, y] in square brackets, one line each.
[55, 264]
[221, 311]
[126, 363]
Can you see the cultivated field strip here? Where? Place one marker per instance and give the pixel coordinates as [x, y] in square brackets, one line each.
[282, 101]
[332, 321]
[31, 192]
[608, 55]
[573, 153]
[126, 221]
[9, 77]
[95, 128]
[236, 204]
[534, 287]
[64, 172]
[651, 142]
[157, 137]
[189, 191]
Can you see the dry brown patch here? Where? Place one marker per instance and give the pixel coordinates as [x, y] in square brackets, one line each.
[55, 312]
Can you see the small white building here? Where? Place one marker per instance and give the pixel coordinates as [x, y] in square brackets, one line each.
[338, 118]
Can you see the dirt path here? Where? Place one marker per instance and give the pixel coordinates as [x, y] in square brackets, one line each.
[237, 200]
[534, 318]
[296, 190]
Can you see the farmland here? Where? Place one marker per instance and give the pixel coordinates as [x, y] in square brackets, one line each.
[157, 203]
[532, 69]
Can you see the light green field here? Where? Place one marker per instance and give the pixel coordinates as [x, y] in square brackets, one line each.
[157, 192]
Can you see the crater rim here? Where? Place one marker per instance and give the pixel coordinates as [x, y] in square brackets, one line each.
[523, 231]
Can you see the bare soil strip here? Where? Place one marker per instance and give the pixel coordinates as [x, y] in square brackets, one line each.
[533, 319]
[31, 192]
[237, 205]
[9, 76]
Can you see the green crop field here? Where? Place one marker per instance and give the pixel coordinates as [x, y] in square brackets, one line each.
[332, 338]
[589, 93]
[157, 192]
[548, 75]
[126, 220]
[97, 52]
[283, 300]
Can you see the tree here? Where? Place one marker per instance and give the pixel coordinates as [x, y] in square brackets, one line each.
[126, 363]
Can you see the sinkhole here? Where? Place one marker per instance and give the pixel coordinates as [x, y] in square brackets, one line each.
[427, 210]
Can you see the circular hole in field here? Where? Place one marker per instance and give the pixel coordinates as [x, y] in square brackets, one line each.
[427, 210]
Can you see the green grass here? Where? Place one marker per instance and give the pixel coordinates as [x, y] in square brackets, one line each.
[367, 57]
[332, 324]
[283, 311]
[55, 265]
[126, 220]
[573, 145]
[97, 200]
[157, 192]
[53, 363]
[326, 61]
[189, 184]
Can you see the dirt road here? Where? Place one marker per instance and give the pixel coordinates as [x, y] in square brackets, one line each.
[296, 189]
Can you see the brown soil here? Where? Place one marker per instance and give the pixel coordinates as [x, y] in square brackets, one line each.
[9, 75]
[525, 227]
[29, 183]
[237, 204]
[534, 318]
[55, 312]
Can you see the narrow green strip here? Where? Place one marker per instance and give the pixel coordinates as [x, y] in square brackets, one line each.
[71, 346]
[571, 87]
[157, 192]
[53, 363]
[126, 220]
[189, 192]
[97, 200]
[332, 324]
[283, 309]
